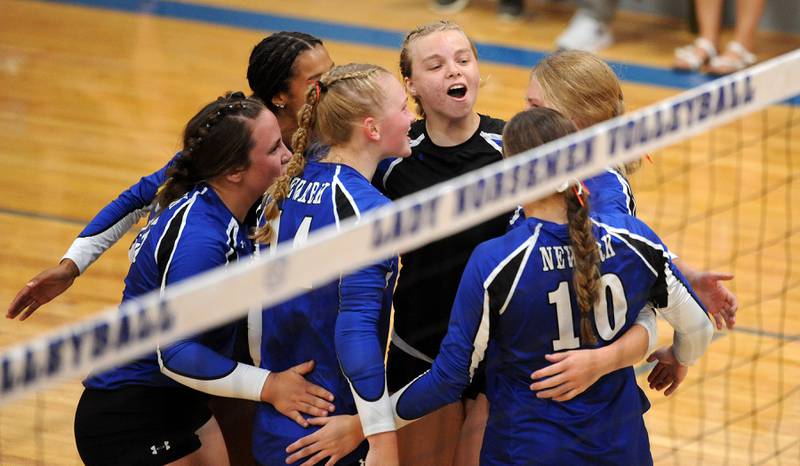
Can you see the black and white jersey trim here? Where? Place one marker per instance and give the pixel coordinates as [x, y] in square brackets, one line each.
[412, 143]
[499, 287]
[630, 201]
[491, 139]
[391, 167]
[344, 206]
[654, 256]
[167, 243]
[232, 232]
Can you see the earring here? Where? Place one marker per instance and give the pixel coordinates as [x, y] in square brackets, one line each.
[280, 105]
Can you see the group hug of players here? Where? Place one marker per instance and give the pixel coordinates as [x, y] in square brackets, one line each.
[526, 326]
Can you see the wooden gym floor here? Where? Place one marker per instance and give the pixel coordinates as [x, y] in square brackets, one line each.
[92, 98]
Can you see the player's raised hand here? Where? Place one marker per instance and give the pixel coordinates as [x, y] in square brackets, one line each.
[42, 288]
[291, 394]
[338, 436]
[719, 301]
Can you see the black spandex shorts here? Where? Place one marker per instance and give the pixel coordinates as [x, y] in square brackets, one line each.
[138, 425]
[402, 368]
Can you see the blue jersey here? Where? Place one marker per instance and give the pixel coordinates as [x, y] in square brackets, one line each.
[515, 304]
[350, 314]
[609, 193]
[195, 234]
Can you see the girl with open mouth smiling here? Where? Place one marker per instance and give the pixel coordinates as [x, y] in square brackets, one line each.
[439, 64]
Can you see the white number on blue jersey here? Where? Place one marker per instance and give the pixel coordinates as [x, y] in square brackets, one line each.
[302, 232]
[300, 237]
[619, 306]
[566, 331]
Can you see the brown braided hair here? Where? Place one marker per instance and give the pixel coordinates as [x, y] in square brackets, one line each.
[586, 275]
[216, 141]
[533, 128]
[333, 105]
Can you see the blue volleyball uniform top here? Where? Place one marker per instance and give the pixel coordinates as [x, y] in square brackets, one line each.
[609, 193]
[516, 303]
[194, 234]
[350, 314]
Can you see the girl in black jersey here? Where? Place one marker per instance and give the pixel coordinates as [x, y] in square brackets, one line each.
[440, 68]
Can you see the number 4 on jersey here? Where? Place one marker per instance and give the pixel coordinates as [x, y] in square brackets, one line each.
[300, 237]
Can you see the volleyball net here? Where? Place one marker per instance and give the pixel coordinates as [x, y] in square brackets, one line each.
[720, 192]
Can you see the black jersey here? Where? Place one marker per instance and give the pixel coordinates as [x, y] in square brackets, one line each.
[430, 275]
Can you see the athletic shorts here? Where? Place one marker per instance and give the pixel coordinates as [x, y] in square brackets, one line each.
[138, 425]
[402, 368]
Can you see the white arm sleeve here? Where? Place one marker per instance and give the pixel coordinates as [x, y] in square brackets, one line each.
[87, 249]
[693, 329]
[244, 382]
[647, 319]
[373, 413]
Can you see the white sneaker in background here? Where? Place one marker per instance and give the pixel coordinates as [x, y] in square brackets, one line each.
[585, 33]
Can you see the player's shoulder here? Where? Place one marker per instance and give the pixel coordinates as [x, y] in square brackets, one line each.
[488, 138]
[358, 189]
[631, 232]
[621, 223]
[417, 129]
[196, 229]
[489, 124]
[204, 216]
[496, 250]
[419, 139]
[611, 192]
[609, 176]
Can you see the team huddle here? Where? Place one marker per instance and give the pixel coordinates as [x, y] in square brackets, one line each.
[526, 326]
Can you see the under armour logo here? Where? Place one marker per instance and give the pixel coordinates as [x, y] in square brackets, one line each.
[155, 449]
[361, 462]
